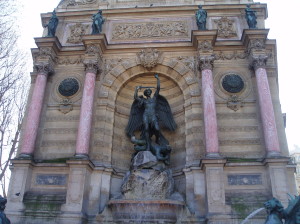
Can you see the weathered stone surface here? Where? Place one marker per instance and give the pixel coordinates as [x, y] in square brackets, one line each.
[144, 159]
[148, 184]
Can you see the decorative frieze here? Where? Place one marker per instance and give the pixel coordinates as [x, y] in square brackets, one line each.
[221, 55]
[79, 2]
[145, 30]
[69, 60]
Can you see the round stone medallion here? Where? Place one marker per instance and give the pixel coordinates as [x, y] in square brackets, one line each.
[233, 83]
[68, 87]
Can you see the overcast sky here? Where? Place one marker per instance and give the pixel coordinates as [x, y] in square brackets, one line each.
[284, 27]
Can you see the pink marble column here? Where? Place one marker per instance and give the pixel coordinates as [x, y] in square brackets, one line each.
[85, 122]
[34, 112]
[209, 108]
[266, 107]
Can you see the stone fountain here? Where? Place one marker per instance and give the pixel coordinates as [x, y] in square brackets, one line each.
[147, 192]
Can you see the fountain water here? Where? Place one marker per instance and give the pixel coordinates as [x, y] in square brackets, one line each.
[252, 215]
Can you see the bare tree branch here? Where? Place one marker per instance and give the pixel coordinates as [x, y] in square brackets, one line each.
[13, 87]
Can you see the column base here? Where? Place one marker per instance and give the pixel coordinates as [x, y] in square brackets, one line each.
[25, 156]
[273, 154]
[81, 156]
[213, 155]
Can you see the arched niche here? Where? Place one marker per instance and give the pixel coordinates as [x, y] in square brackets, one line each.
[122, 148]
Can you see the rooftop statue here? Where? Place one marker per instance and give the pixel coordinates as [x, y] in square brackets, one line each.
[201, 16]
[3, 218]
[98, 20]
[52, 25]
[251, 17]
[148, 115]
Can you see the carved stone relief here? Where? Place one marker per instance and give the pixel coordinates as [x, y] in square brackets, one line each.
[188, 61]
[205, 46]
[234, 103]
[76, 32]
[145, 30]
[221, 55]
[225, 28]
[79, 2]
[149, 57]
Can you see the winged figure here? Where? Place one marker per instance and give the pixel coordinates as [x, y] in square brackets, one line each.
[148, 115]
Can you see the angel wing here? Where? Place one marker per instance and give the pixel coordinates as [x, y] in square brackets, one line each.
[164, 114]
[135, 121]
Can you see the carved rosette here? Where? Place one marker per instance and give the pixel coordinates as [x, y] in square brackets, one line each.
[91, 66]
[206, 62]
[259, 61]
[149, 58]
[43, 68]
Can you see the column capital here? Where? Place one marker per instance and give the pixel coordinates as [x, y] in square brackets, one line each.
[206, 62]
[258, 61]
[44, 68]
[91, 66]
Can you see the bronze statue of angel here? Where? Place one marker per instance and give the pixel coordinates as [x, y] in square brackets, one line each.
[148, 115]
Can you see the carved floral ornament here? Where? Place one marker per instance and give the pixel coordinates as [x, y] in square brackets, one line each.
[43, 68]
[259, 61]
[76, 32]
[205, 46]
[149, 57]
[256, 44]
[44, 53]
[225, 27]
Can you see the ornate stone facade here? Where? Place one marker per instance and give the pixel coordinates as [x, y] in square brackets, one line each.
[73, 147]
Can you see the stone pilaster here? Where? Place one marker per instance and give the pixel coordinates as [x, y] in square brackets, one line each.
[217, 210]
